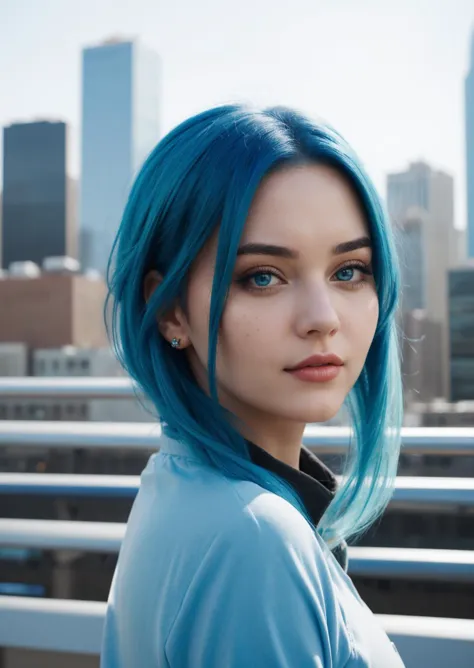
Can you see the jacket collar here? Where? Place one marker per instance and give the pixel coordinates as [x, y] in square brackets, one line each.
[314, 482]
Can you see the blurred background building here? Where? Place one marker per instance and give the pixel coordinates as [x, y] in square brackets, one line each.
[39, 199]
[461, 330]
[52, 326]
[469, 124]
[52, 309]
[420, 202]
[120, 126]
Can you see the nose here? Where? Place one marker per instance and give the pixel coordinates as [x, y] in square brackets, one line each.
[316, 312]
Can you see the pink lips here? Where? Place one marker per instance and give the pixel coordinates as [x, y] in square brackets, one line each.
[317, 368]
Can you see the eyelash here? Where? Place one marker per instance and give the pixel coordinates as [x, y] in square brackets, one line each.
[365, 269]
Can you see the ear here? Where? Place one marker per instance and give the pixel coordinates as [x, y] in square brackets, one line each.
[173, 324]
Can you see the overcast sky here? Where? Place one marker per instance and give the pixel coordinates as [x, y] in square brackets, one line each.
[389, 74]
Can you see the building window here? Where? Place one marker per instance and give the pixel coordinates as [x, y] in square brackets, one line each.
[82, 410]
[36, 412]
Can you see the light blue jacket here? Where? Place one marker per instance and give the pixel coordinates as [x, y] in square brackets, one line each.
[219, 573]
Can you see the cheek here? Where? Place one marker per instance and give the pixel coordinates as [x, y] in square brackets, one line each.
[373, 311]
[243, 333]
[253, 330]
[364, 323]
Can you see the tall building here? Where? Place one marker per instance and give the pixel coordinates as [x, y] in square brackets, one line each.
[421, 346]
[469, 119]
[412, 238]
[461, 329]
[120, 126]
[420, 202]
[39, 217]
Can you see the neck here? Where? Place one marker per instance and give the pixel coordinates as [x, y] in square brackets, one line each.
[280, 438]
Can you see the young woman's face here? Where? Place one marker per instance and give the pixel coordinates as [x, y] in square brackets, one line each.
[308, 295]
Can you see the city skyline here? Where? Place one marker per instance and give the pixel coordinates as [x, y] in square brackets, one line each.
[394, 86]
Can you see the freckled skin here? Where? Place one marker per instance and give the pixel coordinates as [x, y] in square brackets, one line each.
[316, 303]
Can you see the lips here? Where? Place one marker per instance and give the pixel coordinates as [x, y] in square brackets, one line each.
[321, 359]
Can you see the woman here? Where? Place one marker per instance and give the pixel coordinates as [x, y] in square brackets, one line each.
[254, 288]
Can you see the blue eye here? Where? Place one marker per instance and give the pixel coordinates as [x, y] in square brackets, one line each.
[259, 280]
[262, 280]
[348, 274]
[345, 274]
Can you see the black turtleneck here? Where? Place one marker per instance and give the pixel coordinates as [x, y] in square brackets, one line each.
[314, 483]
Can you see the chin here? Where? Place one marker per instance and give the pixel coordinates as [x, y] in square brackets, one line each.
[317, 413]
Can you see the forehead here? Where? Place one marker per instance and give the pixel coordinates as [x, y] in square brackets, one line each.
[305, 204]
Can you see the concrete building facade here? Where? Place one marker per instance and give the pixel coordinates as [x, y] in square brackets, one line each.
[53, 310]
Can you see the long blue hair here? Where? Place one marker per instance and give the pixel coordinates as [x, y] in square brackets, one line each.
[201, 177]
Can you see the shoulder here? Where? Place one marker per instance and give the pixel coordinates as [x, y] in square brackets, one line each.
[238, 526]
[207, 512]
[268, 522]
[199, 493]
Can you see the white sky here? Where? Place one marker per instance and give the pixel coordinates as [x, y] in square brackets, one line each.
[389, 74]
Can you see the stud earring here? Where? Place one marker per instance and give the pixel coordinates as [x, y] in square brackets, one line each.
[175, 342]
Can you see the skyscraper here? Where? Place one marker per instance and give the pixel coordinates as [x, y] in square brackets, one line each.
[413, 241]
[420, 204]
[469, 92]
[120, 126]
[39, 218]
[426, 195]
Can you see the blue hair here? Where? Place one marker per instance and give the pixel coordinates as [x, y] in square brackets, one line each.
[200, 178]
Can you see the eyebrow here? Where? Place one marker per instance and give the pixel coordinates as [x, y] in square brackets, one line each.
[291, 254]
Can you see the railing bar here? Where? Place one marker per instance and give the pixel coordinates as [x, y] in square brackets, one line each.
[133, 435]
[364, 561]
[408, 489]
[76, 626]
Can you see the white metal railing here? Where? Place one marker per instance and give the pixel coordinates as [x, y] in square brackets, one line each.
[447, 565]
[51, 624]
[130, 435]
[431, 492]
[76, 626]
[33, 387]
